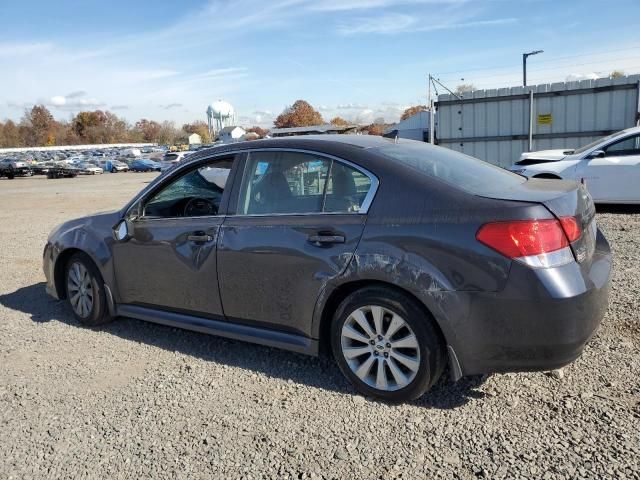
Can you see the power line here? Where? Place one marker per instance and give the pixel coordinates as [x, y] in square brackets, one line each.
[545, 61]
[533, 70]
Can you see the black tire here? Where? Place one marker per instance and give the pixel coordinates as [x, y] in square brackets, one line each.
[430, 343]
[113, 170]
[99, 313]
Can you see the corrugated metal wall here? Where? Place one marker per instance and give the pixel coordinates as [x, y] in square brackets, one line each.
[494, 124]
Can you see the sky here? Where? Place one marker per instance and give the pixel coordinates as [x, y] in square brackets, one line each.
[363, 60]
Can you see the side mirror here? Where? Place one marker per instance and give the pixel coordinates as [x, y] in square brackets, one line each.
[597, 154]
[121, 231]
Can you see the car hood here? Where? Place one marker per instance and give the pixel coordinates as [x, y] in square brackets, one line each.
[545, 155]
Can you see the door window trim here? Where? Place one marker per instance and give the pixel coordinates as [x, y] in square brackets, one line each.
[364, 208]
[146, 194]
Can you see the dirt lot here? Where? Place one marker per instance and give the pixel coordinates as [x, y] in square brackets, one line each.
[137, 400]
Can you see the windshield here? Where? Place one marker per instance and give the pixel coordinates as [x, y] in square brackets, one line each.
[598, 141]
[470, 174]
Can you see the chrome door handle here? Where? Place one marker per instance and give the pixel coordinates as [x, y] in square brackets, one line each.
[199, 238]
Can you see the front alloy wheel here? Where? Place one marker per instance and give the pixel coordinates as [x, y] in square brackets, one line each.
[85, 290]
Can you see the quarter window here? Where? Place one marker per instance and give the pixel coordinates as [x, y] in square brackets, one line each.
[628, 146]
[294, 183]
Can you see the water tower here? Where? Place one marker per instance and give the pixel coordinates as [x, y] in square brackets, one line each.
[220, 114]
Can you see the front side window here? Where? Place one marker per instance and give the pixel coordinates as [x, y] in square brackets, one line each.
[279, 182]
[628, 146]
[194, 194]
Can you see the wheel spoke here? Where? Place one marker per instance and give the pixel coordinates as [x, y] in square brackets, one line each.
[352, 333]
[396, 324]
[398, 376]
[351, 353]
[410, 341]
[377, 314]
[409, 362]
[361, 320]
[364, 369]
[381, 376]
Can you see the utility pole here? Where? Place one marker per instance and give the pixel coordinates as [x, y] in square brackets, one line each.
[524, 65]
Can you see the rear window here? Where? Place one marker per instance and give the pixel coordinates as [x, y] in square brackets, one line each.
[467, 173]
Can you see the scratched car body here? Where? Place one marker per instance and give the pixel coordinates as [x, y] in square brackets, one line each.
[400, 257]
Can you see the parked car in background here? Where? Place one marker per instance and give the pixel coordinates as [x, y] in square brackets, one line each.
[62, 171]
[11, 168]
[398, 255]
[144, 165]
[609, 167]
[172, 158]
[87, 168]
[40, 168]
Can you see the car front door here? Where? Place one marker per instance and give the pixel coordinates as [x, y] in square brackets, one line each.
[170, 260]
[298, 219]
[613, 175]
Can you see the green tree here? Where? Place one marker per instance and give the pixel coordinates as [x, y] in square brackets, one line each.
[300, 114]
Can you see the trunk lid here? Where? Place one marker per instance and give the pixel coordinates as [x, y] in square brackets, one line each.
[562, 199]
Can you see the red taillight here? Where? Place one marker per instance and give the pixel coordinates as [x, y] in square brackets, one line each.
[523, 238]
[571, 228]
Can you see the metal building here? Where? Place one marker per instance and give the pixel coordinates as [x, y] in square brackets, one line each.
[416, 127]
[498, 125]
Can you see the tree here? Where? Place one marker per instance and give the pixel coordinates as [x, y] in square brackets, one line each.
[339, 121]
[148, 129]
[464, 88]
[261, 132]
[168, 133]
[11, 135]
[411, 111]
[37, 126]
[375, 129]
[616, 74]
[199, 127]
[300, 114]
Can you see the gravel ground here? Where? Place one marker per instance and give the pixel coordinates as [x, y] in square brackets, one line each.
[134, 399]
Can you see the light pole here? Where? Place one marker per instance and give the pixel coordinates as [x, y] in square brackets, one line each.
[524, 65]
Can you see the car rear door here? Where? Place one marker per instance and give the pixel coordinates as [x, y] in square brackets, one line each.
[614, 177]
[296, 224]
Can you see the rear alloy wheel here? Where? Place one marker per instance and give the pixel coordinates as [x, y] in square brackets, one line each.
[386, 345]
[85, 291]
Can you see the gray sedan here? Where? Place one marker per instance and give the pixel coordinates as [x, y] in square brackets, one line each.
[400, 257]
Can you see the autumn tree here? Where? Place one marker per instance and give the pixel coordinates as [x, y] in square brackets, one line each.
[300, 114]
[168, 133]
[616, 74]
[149, 129]
[338, 121]
[11, 135]
[375, 129]
[199, 127]
[37, 126]
[261, 132]
[411, 111]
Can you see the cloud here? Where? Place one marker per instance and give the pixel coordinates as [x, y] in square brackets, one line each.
[76, 94]
[23, 49]
[351, 106]
[73, 102]
[395, 23]
[120, 107]
[346, 5]
[171, 105]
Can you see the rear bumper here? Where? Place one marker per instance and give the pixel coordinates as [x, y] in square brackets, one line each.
[542, 320]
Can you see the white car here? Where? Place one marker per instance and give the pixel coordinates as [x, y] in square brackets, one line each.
[609, 167]
[88, 168]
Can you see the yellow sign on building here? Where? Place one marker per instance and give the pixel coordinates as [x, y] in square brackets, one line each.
[545, 119]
